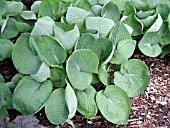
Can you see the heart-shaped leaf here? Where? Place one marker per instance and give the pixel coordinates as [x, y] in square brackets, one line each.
[24, 59]
[6, 49]
[80, 66]
[35, 6]
[86, 102]
[133, 77]
[114, 104]
[87, 41]
[56, 108]
[66, 39]
[111, 11]
[150, 46]
[102, 25]
[38, 94]
[124, 51]
[50, 51]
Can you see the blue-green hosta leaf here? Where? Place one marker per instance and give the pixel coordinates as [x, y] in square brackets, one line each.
[80, 67]
[66, 39]
[50, 51]
[2, 78]
[147, 22]
[56, 108]
[144, 14]
[84, 4]
[149, 44]
[23, 27]
[153, 3]
[13, 8]
[111, 11]
[86, 102]
[6, 47]
[7, 96]
[133, 77]
[140, 4]
[42, 74]
[3, 7]
[49, 8]
[71, 101]
[124, 51]
[132, 21]
[166, 39]
[4, 113]
[118, 33]
[96, 10]
[102, 25]
[129, 9]
[36, 98]
[163, 30]
[163, 10]
[76, 15]
[28, 15]
[120, 3]
[24, 59]
[35, 6]
[58, 77]
[104, 76]
[157, 24]
[114, 104]
[107, 50]
[44, 26]
[87, 41]
[9, 28]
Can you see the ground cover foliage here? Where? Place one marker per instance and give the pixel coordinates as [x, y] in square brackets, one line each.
[66, 47]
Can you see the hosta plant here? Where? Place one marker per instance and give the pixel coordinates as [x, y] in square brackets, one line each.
[64, 48]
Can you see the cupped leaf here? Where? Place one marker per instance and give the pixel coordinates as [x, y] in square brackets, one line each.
[124, 51]
[102, 25]
[114, 104]
[80, 67]
[107, 50]
[119, 32]
[44, 26]
[140, 4]
[24, 59]
[147, 22]
[3, 7]
[96, 10]
[144, 14]
[76, 15]
[71, 101]
[156, 25]
[104, 76]
[132, 21]
[129, 9]
[28, 15]
[7, 96]
[56, 108]
[49, 8]
[42, 74]
[66, 39]
[149, 44]
[58, 77]
[86, 102]
[6, 47]
[13, 8]
[38, 94]
[9, 28]
[50, 51]
[111, 11]
[133, 77]
[87, 41]
[35, 6]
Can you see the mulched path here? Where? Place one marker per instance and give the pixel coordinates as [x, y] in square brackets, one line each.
[151, 109]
